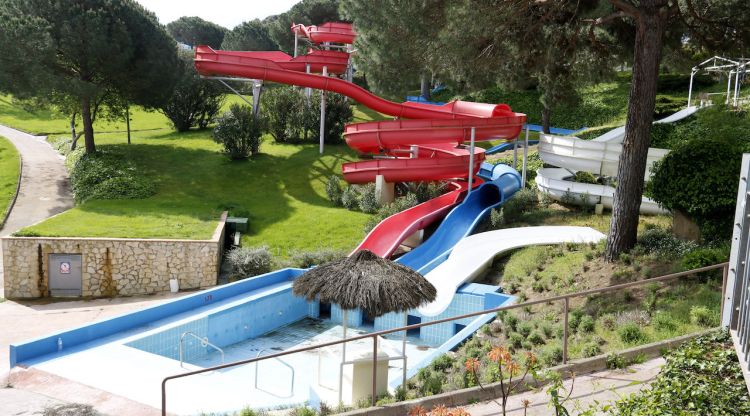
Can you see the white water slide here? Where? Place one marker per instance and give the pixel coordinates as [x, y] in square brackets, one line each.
[618, 134]
[473, 254]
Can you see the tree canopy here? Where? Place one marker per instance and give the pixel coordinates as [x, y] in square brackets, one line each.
[85, 50]
[306, 12]
[195, 31]
[249, 36]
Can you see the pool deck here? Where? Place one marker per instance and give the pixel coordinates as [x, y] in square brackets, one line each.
[136, 375]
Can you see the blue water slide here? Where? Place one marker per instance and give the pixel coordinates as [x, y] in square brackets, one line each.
[462, 220]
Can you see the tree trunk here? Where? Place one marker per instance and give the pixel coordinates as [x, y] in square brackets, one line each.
[546, 112]
[127, 120]
[73, 136]
[627, 202]
[424, 87]
[88, 128]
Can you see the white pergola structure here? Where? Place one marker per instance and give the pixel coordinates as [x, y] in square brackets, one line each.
[735, 70]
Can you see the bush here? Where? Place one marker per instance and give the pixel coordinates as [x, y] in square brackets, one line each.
[630, 333]
[400, 204]
[701, 315]
[708, 198]
[666, 105]
[282, 106]
[516, 339]
[525, 328]
[249, 261]
[706, 256]
[105, 175]
[663, 244]
[195, 101]
[368, 201]
[511, 320]
[306, 259]
[333, 189]
[662, 321]
[350, 198]
[525, 200]
[615, 361]
[432, 385]
[551, 355]
[591, 349]
[239, 132]
[585, 177]
[443, 363]
[338, 114]
[536, 338]
[587, 324]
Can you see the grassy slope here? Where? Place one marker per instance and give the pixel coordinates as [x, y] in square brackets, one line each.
[10, 164]
[283, 188]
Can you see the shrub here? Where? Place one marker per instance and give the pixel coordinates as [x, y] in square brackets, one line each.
[522, 202]
[282, 106]
[239, 132]
[350, 198]
[587, 324]
[194, 101]
[338, 114]
[305, 259]
[575, 319]
[249, 261]
[443, 363]
[497, 219]
[615, 361]
[585, 177]
[511, 320]
[591, 349]
[400, 204]
[631, 333]
[432, 385]
[551, 355]
[536, 338]
[515, 339]
[105, 175]
[662, 321]
[662, 243]
[547, 329]
[708, 198]
[333, 189]
[706, 256]
[368, 201]
[525, 328]
[701, 315]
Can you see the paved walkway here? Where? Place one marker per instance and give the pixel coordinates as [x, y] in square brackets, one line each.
[45, 189]
[602, 387]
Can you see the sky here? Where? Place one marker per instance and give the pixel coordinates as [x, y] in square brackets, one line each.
[227, 13]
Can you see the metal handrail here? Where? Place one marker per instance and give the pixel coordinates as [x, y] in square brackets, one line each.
[564, 298]
[291, 390]
[204, 344]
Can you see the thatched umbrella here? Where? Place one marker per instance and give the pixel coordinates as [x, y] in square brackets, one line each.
[368, 282]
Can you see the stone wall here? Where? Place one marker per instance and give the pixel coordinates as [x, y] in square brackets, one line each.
[113, 266]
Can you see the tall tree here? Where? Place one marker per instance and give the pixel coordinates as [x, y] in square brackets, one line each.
[395, 41]
[195, 31]
[249, 36]
[83, 50]
[306, 12]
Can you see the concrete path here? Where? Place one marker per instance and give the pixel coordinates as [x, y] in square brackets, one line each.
[603, 387]
[45, 189]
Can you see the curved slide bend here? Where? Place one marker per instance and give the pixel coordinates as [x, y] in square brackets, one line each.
[474, 253]
[462, 220]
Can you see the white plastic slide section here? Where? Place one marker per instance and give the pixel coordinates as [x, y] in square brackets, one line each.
[556, 182]
[475, 253]
[600, 158]
[618, 134]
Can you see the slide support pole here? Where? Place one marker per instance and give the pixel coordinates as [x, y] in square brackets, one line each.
[257, 90]
[308, 90]
[736, 86]
[525, 155]
[690, 88]
[471, 159]
[729, 87]
[323, 112]
[296, 39]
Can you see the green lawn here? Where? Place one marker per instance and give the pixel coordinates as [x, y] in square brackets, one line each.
[10, 165]
[283, 189]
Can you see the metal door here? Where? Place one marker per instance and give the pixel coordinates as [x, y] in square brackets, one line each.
[65, 274]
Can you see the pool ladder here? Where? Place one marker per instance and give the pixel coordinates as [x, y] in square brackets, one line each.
[204, 344]
[291, 390]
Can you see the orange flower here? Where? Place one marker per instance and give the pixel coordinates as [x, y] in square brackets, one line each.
[439, 410]
[459, 412]
[499, 355]
[512, 367]
[417, 411]
[472, 364]
[530, 359]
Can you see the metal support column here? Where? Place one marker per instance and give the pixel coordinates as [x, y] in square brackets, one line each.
[525, 156]
[323, 112]
[308, 90]
[690, 89]
[736, 86]
[471, 158]
[242, 97]
[729, 87]
[257, 90]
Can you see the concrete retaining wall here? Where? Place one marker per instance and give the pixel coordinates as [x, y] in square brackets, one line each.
[113, 266]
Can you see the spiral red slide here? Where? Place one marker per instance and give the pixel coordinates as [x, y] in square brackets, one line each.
[424, 143]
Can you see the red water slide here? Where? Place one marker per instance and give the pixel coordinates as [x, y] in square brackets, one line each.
[424, 143]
